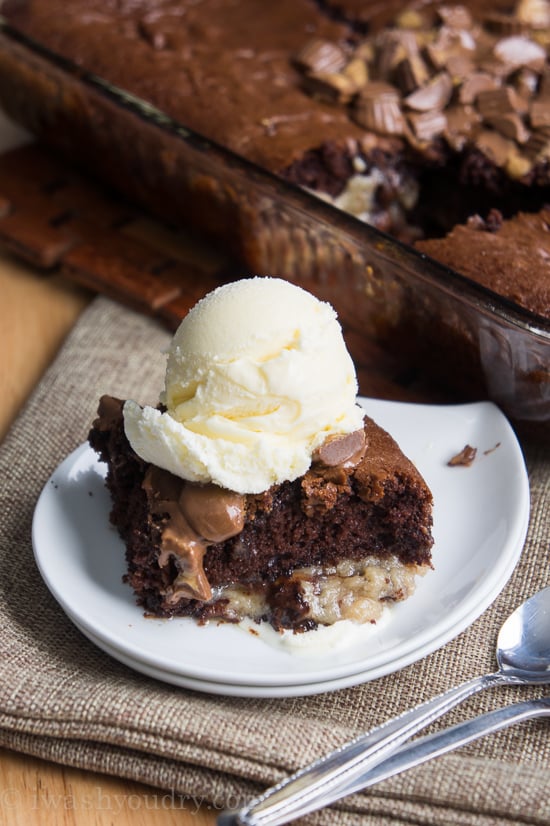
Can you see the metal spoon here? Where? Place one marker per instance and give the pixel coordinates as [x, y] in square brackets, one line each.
[523, 657]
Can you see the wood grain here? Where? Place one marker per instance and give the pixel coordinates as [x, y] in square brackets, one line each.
[38, 793]
[36, 313]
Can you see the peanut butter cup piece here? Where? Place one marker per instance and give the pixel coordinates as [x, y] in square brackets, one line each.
[502, 24]
[462, 122]
[460, 67]
[475, 84]
[330, 88]
[533, 13]
[510, 125]
[377, 108]
[456, 17]
[495, 146]
[496, 102]
[519, 50]
[428, 125]
[357, 71]
[436, 94]
[411, 73]
[394, 46]
[539, 113]
[321, 56]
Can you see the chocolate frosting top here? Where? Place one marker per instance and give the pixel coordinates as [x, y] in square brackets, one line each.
[273, 81]
[222, 68]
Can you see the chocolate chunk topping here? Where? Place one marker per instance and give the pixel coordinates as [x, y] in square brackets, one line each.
[428, 125]
[108, 412]
[377, 108]
[436, 94]
[321, 56]
[476, 83]
[331, 88]
[438, 73]
[214, 513]
[194, 517]
[342, 451]
[539, 114]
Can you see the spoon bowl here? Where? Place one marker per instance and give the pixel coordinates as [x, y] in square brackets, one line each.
[523, 646]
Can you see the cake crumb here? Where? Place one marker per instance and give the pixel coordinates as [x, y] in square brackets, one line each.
[464, 458]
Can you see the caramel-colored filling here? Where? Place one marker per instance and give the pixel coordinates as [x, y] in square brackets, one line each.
[355, 590]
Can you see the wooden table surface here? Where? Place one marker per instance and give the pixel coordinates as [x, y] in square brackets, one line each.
[36, 313]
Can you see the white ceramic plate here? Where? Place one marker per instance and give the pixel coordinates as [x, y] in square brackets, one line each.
[228, 689]
[480, 521]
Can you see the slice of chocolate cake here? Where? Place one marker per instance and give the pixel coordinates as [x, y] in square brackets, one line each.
[337, 543]
[257, 487]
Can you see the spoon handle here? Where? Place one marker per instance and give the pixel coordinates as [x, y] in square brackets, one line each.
[420, 751]
[309, 788]
[434, 745]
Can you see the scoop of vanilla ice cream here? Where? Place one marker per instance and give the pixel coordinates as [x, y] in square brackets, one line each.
[258, 376]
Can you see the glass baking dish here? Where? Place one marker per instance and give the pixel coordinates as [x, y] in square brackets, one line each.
[440, 323]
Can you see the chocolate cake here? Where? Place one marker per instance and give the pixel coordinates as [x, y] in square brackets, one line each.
[483, 249]
[338, 543]
[381, 110]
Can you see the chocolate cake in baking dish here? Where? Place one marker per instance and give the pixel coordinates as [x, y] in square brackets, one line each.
[413, 118]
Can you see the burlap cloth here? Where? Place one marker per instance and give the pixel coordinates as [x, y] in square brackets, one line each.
[64, 700]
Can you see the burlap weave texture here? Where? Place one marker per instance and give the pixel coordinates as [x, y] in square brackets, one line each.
[63, 699]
